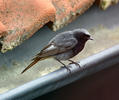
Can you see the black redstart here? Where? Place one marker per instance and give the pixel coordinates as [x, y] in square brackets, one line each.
[63, 46]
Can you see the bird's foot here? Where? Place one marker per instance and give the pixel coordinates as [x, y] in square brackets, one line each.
[68, 69]
[72, 62]
[64, 66]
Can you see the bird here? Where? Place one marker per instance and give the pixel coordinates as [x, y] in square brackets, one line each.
[63, 46]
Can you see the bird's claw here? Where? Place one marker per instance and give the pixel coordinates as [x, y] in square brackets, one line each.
[72, 62]
[68, 69]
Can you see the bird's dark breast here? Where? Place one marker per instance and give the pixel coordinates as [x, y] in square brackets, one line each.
[78, 48]
[71, 53]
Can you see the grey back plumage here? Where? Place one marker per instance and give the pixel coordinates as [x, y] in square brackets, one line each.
[64, 40]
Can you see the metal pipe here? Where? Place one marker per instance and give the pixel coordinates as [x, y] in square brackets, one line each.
[62, 77]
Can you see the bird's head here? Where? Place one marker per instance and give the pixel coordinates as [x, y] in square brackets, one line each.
[82, 35]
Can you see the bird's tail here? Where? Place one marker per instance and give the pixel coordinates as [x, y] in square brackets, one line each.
[35, 60]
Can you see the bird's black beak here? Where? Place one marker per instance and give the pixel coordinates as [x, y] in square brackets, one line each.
[91, 38]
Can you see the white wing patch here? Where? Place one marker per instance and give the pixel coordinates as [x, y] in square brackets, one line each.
[51, 47]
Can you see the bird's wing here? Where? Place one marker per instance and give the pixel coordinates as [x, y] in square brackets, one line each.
[56, 47]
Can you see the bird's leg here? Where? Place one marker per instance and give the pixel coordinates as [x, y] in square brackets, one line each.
[60, 62]
[72, 62]
[64, 65]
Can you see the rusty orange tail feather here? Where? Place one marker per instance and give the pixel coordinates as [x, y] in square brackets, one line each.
[35, 60]
[31, 65]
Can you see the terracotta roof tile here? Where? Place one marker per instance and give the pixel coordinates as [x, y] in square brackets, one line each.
[22, 18]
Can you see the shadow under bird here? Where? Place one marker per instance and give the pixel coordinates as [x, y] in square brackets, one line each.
[63, 47]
